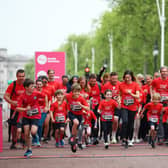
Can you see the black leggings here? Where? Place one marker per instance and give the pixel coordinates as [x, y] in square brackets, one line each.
[127, 117]
[107, 127]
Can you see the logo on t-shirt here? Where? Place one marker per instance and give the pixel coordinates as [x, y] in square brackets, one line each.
[35, 97]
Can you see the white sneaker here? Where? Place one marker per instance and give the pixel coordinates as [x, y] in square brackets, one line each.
[137, 140]
[130, 143]
[106, 145]
[114, 141]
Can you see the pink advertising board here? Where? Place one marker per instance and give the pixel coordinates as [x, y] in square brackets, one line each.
[50, 60]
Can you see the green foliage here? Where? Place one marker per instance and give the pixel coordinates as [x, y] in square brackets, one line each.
[29, 69]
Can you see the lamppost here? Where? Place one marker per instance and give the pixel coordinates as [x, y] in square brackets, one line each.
[155, 55]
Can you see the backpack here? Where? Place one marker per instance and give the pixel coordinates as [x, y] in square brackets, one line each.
[13, 89]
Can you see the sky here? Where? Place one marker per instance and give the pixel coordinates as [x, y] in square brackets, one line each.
[27, 26]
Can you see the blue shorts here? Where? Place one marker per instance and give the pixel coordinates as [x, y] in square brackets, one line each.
[28, 121]
[73, 116]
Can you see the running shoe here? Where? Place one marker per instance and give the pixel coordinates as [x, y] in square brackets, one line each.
[153, 144]
[57, 144]
[45, 140]
[114, 141]
[73, 148]
[80, 146]
[130, 143]
[13, 146]
[106, 145]
[62, 143]
[28, 153]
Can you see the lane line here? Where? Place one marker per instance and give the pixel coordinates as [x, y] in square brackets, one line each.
[84, 156]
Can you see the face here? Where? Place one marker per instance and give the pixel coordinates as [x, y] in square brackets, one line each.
[114, 79]
[30, 88]
[44, 82]
[20, 77]
[74, 80]
[156, 75]
[92, 81]
[127, 78]
[65, 80]
[59, 97]
[106, 79]
[156, 100]
[82, 83]
[51, 75]
[164, 73]
[39, 85]
[148, 79]
[76, 93]
[108, 95]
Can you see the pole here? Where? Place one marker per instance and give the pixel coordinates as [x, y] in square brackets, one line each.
[75, 53]
[111, 52]
[162, 24]
[93, 59]
[162, 32]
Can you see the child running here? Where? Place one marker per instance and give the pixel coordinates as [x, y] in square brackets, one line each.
[154, 110]
[28, 103]
[76, 105]
[58, 113]
[107, 109]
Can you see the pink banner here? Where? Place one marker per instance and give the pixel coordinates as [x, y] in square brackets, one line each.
[1, 130]
[50, 60]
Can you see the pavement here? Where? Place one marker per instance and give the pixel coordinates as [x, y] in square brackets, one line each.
[140, 155]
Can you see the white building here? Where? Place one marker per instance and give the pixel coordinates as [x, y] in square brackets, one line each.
[9, 64]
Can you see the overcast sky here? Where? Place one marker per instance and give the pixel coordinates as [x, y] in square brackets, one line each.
[27, 26]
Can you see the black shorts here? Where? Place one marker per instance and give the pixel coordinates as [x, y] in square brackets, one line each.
[117, 112]
[73, 116]
[13, 120]
[59, 125]
[28, 121]
[153, 124]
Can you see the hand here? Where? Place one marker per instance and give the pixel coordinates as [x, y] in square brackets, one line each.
[129, 91]
[28, 108]
[79, 104]
[52, 120]
[68, 120]
[46, 109]
[14, 103]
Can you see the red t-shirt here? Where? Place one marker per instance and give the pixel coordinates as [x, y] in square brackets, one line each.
[107, 109]
[41, 100]
[63, 88]
[73, 105]
[165, 116]
[54, 84]
[59, 112]
[49, 90]
[95, 94]
[32, 101]
[161, 86]
[84, 94]
[113, 88]
[19, 89]
[89, 117]
[153, 111]
[128, 101]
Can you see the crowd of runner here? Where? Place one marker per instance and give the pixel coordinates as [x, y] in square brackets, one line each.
[88, 110]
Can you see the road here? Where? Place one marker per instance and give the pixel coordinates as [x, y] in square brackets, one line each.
[140, 155]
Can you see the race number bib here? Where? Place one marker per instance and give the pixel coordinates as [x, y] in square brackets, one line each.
[164, 97]
[128, 102]
[107, 117]
[32, 112]
[60, 118]
[153, 119]
[75, 107]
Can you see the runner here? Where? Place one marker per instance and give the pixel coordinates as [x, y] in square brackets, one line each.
[113, 85]
[28, 103]
[58, 112]
[14, 90]
[107, 109]
[129, 91]
[76, 104]
[154, 110]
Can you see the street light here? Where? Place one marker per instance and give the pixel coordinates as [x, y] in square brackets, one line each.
[155, 54]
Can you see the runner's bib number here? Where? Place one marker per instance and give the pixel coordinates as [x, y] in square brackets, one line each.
[164, 98]
[60, 118]
[153, 119]
[128, 102]
[32, 112]
[107, 117]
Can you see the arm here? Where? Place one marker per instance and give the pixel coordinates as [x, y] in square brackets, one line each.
[46, 104]
[52, 117]
[9, 100]
[136, 95]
